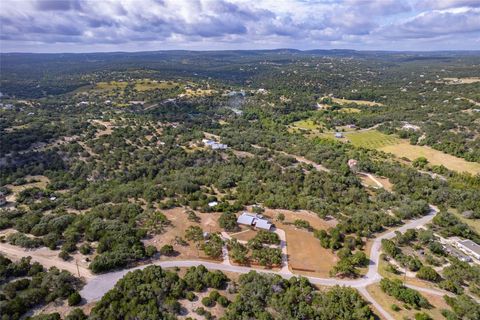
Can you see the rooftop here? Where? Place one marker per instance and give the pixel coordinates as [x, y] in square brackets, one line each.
[469, 244]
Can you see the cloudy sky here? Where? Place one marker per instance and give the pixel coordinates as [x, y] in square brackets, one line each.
[139, 25]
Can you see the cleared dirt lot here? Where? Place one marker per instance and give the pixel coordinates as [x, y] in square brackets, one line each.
[359, 102]
[179, 223]
[386, 302]
[48, 258]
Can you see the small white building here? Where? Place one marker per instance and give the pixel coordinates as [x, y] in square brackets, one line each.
[470, 248]
[212, 204]
[338, 135]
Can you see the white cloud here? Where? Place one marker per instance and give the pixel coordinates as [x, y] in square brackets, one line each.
[120, 24]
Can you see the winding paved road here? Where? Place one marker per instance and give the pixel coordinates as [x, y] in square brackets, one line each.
[97, 286]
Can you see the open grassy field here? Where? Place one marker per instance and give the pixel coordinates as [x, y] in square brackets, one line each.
[473, 223]
[405, 149]
[307, 124]
[146, 85]
[400, 148]
[386, 301]
[110, 86]
[372, 139]
[349, 110]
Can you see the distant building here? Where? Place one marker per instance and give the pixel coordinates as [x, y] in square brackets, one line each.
[254, 220]
[338, 135]
[470, 248]
[352, 164]
[408, 126]
[214, 145]
[456, 253]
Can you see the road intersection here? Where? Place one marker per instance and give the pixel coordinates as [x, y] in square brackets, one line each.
[98, 285]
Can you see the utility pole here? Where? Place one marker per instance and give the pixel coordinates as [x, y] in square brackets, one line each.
[78, 269]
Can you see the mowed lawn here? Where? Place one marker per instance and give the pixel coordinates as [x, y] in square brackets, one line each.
[371, 139]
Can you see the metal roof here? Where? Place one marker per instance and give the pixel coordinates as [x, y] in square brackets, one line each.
[469, 244]
[246, 219]
[263, 224]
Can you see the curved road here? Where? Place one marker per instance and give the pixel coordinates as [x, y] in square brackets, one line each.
[97, 286]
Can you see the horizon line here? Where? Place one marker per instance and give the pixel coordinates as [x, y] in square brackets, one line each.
[266, 49]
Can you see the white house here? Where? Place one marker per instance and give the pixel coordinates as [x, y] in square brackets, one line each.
[214, 145]
[254, 220]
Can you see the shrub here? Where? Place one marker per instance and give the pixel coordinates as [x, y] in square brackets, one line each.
[85, 249]
[395, 307]
[228, 221]
[190, 296]
[76, 314]
[150, 251]
[74, 299]
[223, 301]
[303, 224]
[422, 316]
[214, 295]
[208, 302]
[428, 273]
[167, 250]
[64, 255]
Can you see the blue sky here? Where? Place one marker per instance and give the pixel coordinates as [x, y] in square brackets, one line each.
[140, 25]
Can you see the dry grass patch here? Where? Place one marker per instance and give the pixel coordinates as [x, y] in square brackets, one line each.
[435, 157]
[387, 301]
[349, 110]
[305, 254]
[111, 86]
[473, 223]
[245, 234]
[467, 80]
[147, 85]
[199, 92]
[32, 182]
[359, 102]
